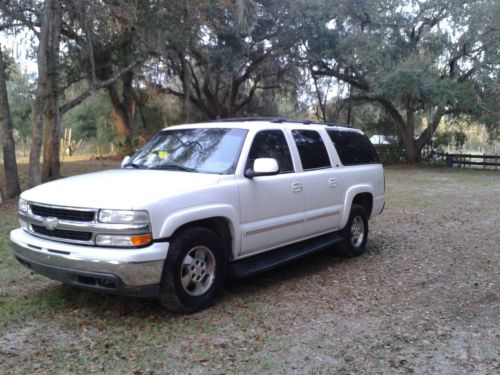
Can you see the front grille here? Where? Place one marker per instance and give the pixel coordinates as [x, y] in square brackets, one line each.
[62, 233]
[62, 214]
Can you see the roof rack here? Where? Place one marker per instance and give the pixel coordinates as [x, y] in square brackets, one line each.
[279, 120]
[276, 120]
[335, 124]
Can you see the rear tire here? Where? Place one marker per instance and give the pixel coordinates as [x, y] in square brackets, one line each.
[194, 271]
[355, 232]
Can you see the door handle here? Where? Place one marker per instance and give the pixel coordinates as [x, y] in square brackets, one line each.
[332, 182]
[296, 187]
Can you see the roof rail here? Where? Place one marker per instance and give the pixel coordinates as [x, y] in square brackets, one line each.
[280, 120]
[276, 120]
[335, 124]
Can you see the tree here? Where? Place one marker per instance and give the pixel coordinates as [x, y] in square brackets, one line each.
[419, 61]
[226, 53]
[47, 27]
[107, 47]
[46, 108]
[21, 91]
[12, 188]
[94, 51]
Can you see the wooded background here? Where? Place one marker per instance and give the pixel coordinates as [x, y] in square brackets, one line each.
[118, 71]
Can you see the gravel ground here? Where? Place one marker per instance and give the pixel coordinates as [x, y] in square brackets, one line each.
[424, 299]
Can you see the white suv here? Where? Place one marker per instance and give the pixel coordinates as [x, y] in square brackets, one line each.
[200, 202]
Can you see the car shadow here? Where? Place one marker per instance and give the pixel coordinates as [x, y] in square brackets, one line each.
[236, 292]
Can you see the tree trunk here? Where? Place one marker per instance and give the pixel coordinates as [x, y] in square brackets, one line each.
[186, 88]
[407, 129]
[412, 152]
[413, 147]
[46, 94]
[349, 108]
[51, 163]
[12, 188]
[123, 109]
[321, 103]
[427, 134]
[51, 147]
[35, 174]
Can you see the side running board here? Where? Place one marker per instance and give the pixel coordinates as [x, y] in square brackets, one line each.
[266, 261]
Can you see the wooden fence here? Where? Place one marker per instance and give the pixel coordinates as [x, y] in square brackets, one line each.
[472, 161]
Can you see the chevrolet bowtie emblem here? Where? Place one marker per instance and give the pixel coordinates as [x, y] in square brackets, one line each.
[50, 223]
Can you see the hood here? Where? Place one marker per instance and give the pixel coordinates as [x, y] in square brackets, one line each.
[117, 189]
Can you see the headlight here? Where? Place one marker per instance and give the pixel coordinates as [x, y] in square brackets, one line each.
[123, 217]
[23, 205]
[123, 240]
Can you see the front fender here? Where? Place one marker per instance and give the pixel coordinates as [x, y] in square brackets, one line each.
[177, 219]
[349, 198]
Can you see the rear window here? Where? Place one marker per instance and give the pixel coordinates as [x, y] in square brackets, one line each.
[312, 150]
[353, 147]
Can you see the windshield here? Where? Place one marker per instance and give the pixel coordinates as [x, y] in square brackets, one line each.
[204, 150]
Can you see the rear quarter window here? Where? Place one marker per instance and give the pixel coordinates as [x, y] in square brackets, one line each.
[353, 148]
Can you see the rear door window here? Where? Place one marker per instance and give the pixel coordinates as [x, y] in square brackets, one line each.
[312, 150]
[353, 147]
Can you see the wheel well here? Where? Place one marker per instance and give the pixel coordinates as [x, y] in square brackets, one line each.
[366, 201]
[218, 225]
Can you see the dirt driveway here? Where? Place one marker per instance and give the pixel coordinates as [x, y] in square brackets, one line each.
[424, 299]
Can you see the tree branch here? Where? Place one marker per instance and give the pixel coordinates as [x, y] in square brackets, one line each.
[248, 99]
[353, 81]
[393, 112]
[94, 87]
[271, 87]
[431, 128]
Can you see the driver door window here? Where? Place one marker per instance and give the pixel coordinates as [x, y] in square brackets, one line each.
[271, 144]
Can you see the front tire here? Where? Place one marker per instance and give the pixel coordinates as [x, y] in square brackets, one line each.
[194, 271]
[355, 232]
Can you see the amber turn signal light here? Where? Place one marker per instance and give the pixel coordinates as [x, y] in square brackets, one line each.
[142, 239]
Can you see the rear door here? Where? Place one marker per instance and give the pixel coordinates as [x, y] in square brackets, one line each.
[323, 198]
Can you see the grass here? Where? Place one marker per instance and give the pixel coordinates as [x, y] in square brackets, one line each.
[321, 315]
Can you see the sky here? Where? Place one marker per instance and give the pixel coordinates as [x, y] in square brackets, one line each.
[19, 47]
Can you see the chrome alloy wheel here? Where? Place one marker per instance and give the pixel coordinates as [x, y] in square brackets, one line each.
[198, 270]
[357, 231]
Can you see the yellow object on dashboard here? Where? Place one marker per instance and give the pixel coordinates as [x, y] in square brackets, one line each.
[162, 154]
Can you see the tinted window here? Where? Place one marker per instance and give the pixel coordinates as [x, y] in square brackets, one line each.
[210, 150]
[271, 144]
[353, 148]
[311, 148]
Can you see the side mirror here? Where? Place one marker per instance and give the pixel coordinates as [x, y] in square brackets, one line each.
[263, 167]
[125, 160]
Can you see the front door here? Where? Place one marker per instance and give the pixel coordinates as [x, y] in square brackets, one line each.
[272, 210]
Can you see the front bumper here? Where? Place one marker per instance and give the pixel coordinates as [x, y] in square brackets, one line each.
[120, 271]
[378, 205]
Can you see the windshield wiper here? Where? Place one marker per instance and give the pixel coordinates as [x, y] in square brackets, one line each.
[134, 165]
[175, 167]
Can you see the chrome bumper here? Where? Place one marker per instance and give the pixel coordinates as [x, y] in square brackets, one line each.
[133, 267]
